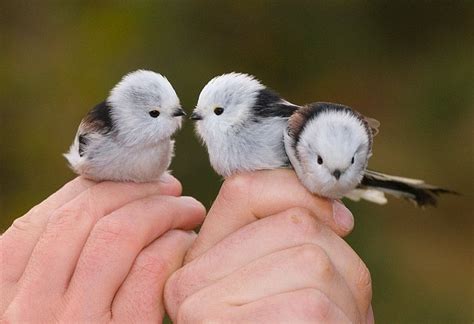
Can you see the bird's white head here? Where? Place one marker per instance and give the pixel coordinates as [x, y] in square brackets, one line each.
[225, 103]
[332, 145]
[145, 108]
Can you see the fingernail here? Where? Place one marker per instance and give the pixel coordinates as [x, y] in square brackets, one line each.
[190, 201]
[370, 316]
[167, 178]
[342, 216]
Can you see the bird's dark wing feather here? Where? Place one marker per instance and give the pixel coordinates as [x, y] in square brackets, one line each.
[98, 120]
[270, 104]
[419, 192]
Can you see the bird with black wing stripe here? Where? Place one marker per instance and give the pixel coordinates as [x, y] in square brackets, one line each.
[246, 127]
[329, 146]
[241, 123]
[128, 136]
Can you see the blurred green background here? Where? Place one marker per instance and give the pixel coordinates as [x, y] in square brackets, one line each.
[410, 64]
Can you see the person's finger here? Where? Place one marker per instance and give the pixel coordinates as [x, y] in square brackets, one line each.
[140, 298]
[69, 226]
[370, 316]
[284, 230]
[117, 239]
[247, 197]
[305, 266]
[17, 243]
[299, 306]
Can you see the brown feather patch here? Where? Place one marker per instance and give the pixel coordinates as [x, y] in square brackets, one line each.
[298, 120]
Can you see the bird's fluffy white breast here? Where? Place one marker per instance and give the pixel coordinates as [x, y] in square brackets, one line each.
[257, 146]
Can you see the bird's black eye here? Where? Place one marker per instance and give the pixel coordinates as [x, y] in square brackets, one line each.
[352, 161]
[218, 110]
[154, 113]
[320, 160]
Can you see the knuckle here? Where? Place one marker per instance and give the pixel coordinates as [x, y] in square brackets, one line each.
[236, 186]
[64, 217]
[34, 212]
[109, 230]
[301, 220]
[315, 258]
[24, 224]
[177, 289]
[148, 265]
[190, 311]
[315, 305]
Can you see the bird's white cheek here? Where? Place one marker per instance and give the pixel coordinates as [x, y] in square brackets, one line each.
[200, 130]
[178, 122]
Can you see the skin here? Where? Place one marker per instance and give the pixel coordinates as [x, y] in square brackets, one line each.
[265, 256]
[114, 246]
[96, 252]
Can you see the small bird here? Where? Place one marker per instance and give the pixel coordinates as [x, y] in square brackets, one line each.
[329, 146]
[127, 137]
[244, 125]
[241, 122]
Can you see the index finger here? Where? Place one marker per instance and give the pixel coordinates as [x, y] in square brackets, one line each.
[247, 197]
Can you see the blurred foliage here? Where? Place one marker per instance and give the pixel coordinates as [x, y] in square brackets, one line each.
[409, 64]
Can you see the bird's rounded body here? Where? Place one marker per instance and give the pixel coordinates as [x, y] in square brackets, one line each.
[329, 146]
[128, 136]
[106, 159]
[258, 146]
[241, 122]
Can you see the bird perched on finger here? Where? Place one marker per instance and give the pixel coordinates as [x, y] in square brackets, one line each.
[127, 137]
[244, 126]
[329, 146]
[241, 122]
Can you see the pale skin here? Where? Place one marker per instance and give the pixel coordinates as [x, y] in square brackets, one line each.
[103, 252]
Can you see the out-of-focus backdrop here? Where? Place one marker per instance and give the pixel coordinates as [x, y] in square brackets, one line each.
[410, 64]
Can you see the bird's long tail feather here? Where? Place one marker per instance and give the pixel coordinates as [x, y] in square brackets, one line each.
[374, 185]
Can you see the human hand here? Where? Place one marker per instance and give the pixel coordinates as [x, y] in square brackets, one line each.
[96, 252]
[260, 258]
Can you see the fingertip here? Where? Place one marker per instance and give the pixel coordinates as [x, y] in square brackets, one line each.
[169, 185]
[343, 217]
[198, 208]
[370, 316]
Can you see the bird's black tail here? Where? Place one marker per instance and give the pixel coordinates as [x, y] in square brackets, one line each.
[417, 191]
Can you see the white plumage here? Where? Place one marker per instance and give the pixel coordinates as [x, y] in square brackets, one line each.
[340, 140]
[246, 126]
[240, 138]
[128, 137]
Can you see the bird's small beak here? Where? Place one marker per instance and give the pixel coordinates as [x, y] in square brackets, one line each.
[195, 116]
[179, 112]
[337, 174]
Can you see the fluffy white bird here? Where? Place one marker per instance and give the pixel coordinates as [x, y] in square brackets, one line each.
[329, 146]
[243, 125]
[128, 136]
[241, 122]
